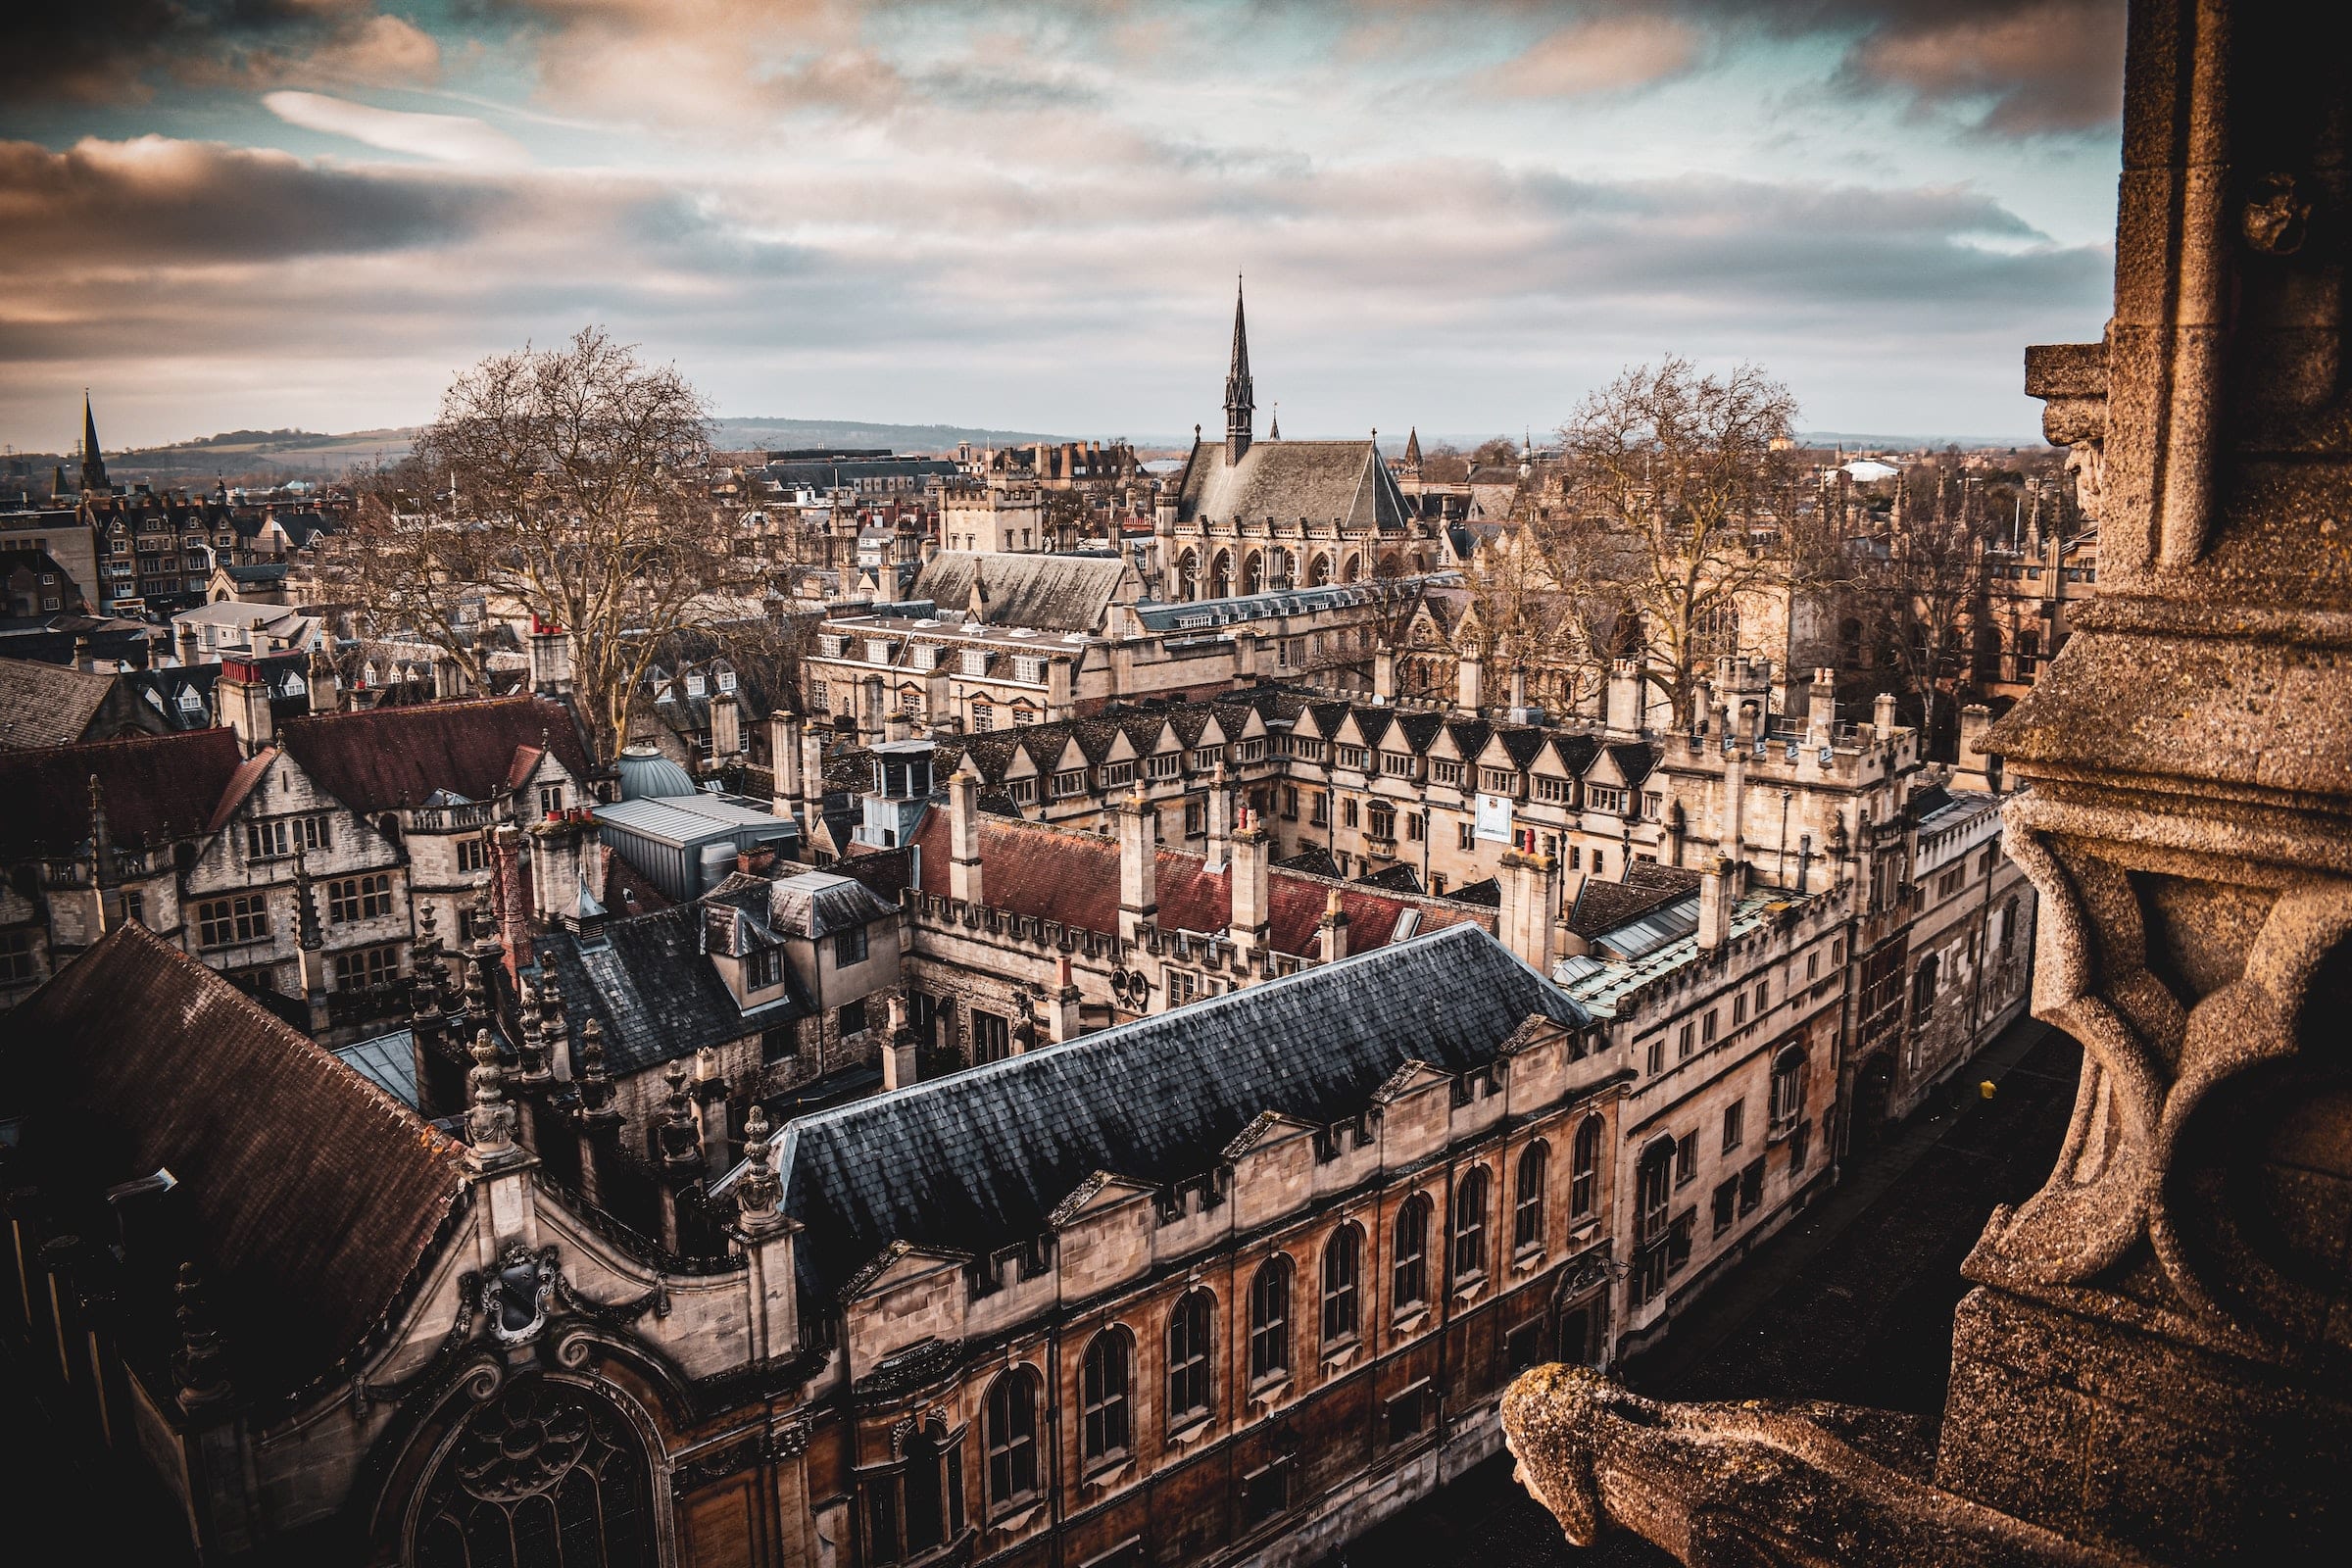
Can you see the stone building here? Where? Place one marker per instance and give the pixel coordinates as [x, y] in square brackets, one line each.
[1203, 1287]
[2149, 1367]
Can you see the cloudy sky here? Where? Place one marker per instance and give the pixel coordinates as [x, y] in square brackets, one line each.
[1455, 214]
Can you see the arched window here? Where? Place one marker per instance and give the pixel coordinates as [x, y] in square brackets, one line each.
[1270, 1318]
[1653, 1187]
[1102, 1398]
[1253, 573]
[1318, 572]
[1189, 1329]
[1923, 988]
[933, 1486]
[1220, 575]
[1011, 1433]
[543, 1471]
[1343, 1262]
[1188, 575]
[1409, 1278]
[1787, 1086]
[1527, 1207]
[2008, 927]
[1584, 1168]
[1470, 1224]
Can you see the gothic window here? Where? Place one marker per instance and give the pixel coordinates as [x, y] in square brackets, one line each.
[544, 1475]
[1103, 1395]
[1012, 1433]
[1584, 1168]
[1409, 1279]
[1343, 1262]
[1270, 1319]
[1527, 1209]
[2008, 927]
[1470, 1225]
[1189, 1328]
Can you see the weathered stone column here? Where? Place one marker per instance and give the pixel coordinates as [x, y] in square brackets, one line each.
[2156, 1365]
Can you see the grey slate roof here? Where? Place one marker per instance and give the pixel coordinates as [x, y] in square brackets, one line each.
[977, 1162]
[1052, 593]
[1323, 481]
[648, 983]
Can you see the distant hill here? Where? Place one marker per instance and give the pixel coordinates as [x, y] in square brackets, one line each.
[755, 435]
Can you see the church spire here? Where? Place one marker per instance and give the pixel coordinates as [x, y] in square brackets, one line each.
[93, 467]
[1241, 403]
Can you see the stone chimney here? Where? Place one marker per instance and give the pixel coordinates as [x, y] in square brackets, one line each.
[1470, 683]
[1250, 914]
[1220, 807]
[1529, 899]
[812, 778]
[784, 761]
[1064, 1001]
[85, 658]
[898, 1069]
[190, 653]
[514, 913]
[726, 725]
[1975, 769]
[1139, 865]
[1731, 817]
[1716, 892]
[549, 650]
[326, 689]
[1621, 712]
[555, 866]
[963, 835]
[1821, 708]
[1882, 716]
[1332, 932]
[1384, 674]
[244, 699]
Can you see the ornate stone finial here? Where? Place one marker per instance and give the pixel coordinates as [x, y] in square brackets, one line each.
[596, 1084]
[531, 1050]
[681, 1140]
[428, 944]
[197, 1366]
[490, 1125]
[307, 933]
[757, 1192]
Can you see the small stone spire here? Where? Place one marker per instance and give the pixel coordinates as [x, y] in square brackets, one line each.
[308, 936]
[758, 1191]
[490, 1124]
[196, 1367]
[1274, 425]
[596, 1084]
[530, 1050]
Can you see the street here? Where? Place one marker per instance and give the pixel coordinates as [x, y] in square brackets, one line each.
[1852, 1302]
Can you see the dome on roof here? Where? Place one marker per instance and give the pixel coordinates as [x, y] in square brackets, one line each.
[645, 773]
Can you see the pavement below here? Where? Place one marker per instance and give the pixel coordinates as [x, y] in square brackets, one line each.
[1853, 1302]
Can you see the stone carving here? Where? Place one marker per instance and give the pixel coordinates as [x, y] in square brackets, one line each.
[517, 1294]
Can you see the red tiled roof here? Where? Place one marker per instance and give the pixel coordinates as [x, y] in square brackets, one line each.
[310, 1195]
[385, 758]
[1055, 874]
[240, 785]
[156, 788]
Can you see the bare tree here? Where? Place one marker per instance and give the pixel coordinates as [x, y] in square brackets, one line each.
[570, 486]
[1676, 507]
[1922, 585]
[1525, 620]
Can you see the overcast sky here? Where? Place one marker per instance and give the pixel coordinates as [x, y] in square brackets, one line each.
[1455, 214]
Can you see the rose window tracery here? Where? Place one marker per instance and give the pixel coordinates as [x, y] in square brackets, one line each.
[543, 1476]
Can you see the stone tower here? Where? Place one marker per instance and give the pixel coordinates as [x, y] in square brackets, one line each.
[2155, 1364]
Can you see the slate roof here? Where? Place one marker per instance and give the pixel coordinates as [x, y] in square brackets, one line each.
[977, 1162]
[1052, 593]
[384, 758]
[1602, 906]
[310, 1195]
[156, 788]
[1054, 875]
[808, 903]
[183, 696]
[1323, 481]
[48, 705]
[648, 983]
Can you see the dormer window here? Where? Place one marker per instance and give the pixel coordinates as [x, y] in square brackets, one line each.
[694, 685]
[763, 968]
[726, 680]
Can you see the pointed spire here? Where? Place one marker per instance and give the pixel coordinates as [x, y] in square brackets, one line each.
[93, 466]
[1412, 447]
[681, 1140]
[490, 1124]
[596, 1084]
[1241, 400]
[1274, 426]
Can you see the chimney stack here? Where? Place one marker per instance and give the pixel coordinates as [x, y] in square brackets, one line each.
[898, 1069]
[1882, 716]
[1332, 934]
[1383, 675]
[1716, 892]
[1220, 807]
[1622, 714]
[726, 725]
[1529, 899]
[1138, 865]
[1975, 770]
[784, 761]
[1249, 919]
[963, 834]
[244, 699]
[1821, 708]
[1470, 683]
[1064, 1002]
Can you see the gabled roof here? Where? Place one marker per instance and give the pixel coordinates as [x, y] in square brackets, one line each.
[1602, 906]
[156, 788]
[978, 1161]
[310, 1195]
[1052, 593]
[48, 705]
[1634, 759]
[653, 991]
[387, 758]
[1323, 481]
